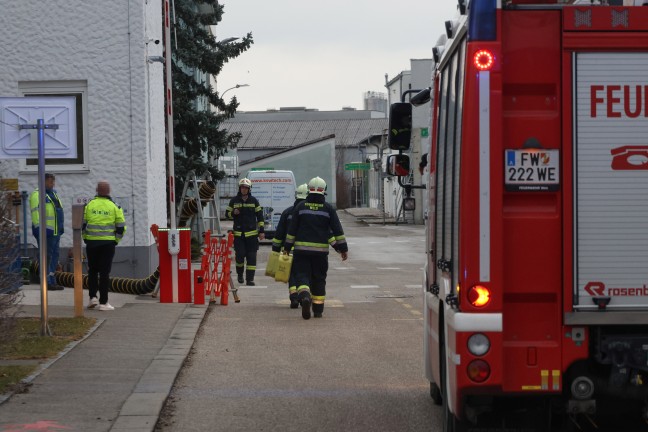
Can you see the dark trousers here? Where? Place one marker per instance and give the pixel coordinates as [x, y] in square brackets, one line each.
[246, 255]
[310, 275]
[100, 259]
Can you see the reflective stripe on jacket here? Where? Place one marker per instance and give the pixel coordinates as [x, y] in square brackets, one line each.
[103, 220]
[314, 226]
[282, 227]
[249, 222]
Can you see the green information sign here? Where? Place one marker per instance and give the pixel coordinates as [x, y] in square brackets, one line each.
[425, 132]
[261, 169]
[357, 166]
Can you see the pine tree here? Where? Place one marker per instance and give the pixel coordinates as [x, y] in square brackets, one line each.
[198, 110]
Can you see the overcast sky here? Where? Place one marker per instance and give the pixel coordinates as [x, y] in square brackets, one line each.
[325, 54]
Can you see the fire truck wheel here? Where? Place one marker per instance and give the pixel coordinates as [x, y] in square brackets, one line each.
[435, 393]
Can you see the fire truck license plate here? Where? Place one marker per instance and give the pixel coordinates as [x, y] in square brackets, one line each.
[531, 170]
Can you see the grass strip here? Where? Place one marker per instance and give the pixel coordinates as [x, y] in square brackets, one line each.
[26, 343]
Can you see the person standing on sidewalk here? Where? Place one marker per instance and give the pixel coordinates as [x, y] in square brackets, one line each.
[280, 235]
[314, 226]
[54, 225]
[247, 214]
[103, 228]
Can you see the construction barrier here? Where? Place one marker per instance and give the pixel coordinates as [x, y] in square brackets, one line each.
[184, 264]
[213, 277]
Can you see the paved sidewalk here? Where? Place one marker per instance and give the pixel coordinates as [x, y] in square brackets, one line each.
[117, 378]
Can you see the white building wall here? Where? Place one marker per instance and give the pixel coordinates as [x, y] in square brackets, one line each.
[421, 132]
[418, 78]
[104, 45]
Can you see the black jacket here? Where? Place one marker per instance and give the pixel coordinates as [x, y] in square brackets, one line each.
[249, 221]
[282, 227]
[314, 226]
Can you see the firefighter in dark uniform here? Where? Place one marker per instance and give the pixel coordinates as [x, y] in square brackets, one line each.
[247, 214]
[280, 235]
[314, 226]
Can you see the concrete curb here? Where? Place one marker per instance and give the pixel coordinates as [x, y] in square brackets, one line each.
[141, 410]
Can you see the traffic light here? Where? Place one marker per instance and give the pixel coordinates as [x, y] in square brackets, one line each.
[400, 126]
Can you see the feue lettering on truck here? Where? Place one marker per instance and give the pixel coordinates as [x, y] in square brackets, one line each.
[275, 190]
[536, 276]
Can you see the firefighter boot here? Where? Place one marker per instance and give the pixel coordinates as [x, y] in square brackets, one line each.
[249, 277]
[306, 302]
[240, 278]
[318, 308]
[294, 302]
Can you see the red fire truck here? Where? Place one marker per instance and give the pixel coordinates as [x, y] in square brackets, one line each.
[536, 280]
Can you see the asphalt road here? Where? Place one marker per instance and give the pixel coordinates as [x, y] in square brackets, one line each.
[258, 366]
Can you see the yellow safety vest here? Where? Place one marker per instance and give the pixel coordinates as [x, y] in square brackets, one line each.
[102, 220]
[50, 211]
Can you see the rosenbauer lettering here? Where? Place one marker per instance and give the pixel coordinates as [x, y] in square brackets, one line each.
[599, 289]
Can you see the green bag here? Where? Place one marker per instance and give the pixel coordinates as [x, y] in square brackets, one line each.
[273, 260]
[284, 263]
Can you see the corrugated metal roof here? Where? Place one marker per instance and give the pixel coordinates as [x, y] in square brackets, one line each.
[282, 134]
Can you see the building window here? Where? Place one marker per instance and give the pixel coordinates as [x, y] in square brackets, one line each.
[78, 89]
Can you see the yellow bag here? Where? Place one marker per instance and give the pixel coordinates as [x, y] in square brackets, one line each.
[284, 263]
[273, 259]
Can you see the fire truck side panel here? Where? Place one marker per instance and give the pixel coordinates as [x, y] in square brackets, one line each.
[532, 222]
[432, 301]
[611, 188]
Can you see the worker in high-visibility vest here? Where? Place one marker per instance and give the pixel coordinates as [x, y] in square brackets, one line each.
[53, 224]
[280, 235]
[248, 227]
[103, 228]
[314, 226]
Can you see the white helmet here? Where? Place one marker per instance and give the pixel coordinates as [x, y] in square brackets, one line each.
[245, 182]
[302, 191]
[317, 185]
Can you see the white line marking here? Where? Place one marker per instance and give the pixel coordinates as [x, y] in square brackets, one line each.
[365, 286]
[388, 268]
[344, 268]
[413, 286]
[253, 287]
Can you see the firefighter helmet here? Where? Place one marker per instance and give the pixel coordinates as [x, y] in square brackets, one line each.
[302, 191]
[317, 185]
[245, 182]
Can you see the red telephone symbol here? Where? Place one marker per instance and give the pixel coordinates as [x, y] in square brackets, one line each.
[632, 157]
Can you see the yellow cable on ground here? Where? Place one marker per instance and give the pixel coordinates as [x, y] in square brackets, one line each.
[117, 284]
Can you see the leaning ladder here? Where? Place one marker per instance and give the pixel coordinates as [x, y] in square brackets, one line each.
[198, 207]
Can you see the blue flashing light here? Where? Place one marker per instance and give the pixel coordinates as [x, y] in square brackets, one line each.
[482, 20]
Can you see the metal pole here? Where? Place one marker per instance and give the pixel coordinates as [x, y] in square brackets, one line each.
[25, 203]
[380, 178]
[77, 225]
[170, 150]
[42, 231]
